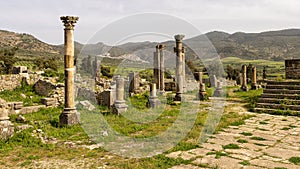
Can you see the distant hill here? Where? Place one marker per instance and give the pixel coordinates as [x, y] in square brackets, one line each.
[272, 45]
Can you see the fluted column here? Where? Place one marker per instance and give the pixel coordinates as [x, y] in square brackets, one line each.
[69, 116]
[119, 105]
[179, 50]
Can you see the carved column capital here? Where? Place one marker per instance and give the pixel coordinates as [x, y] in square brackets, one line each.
[69, 21]
[179, 37]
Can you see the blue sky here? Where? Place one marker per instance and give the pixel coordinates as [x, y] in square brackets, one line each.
[41, 18]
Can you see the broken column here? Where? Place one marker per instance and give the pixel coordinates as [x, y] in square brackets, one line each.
[153, 101]
[6, 127]
[254, 85]
[119, 105]
[162, 69]
[244, 86]
[69, 115]
[134, 82]
[200, 77]
[219, 92]
[156, 66]
[179, 50]
[202, 95]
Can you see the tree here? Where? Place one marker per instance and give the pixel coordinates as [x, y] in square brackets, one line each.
[7, 60]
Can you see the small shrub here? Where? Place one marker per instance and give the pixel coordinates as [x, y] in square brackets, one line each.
[246, 134]
[295, 160]
[231, 146]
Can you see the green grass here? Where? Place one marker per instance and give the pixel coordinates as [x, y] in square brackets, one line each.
[242, 141]
[15, 95]
[295, 160]
[231, 146]
[245, 162]
[246, 134]
[257, 138]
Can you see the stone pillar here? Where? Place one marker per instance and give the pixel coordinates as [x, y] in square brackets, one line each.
[200, 76]
[202, 95]
[119, 105]
[69, 115]
[134, 83]
[153, 101]
[6, 127]
[156, 66]
[254, 85]
[162, 69]
[244, 86]
[179, 50]
[219, 90]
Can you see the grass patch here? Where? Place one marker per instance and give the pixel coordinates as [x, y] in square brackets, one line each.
[31, 98]
[231, 146]
[259, 144]
[242, 141]
[246, 134]
[257, 138]
[295, 160]
[261, 129]
[245, 162]
[285, 128]
[217, 153]
[263, 122]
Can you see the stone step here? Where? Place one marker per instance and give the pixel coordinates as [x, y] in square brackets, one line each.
[290, 87]
[281, 96]
[278, 106]
[277, 112]
[286, 82]
[281, 91]
[278, 101]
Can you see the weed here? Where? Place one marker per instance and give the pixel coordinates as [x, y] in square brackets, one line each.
[231, 146]
[295, 160]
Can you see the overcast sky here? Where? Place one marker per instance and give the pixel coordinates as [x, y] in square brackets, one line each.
[41, 17]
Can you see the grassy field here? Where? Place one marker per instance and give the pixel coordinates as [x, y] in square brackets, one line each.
[25, 150]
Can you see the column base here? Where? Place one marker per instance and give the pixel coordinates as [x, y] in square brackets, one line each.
[119, 107]
[254, 87]
[202, 95]
[219, 93]
[244, 88]
[68, 117]
[6, 129]
[153, 102]
[178, 97]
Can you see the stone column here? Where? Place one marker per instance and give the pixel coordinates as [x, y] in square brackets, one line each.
[244, 86]
[153, 101]
[254, 85]
[162, 69]
[119, 105]
[179, 50]
[202, 95]
[200, 76]
[156, 66]
[219, 90]
[69, 115]
[6, 127]
[134, 83]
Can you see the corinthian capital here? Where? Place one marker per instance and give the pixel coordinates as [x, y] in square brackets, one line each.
[69, 21]
[179, 37]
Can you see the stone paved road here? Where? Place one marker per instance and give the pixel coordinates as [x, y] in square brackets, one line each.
[264, 141]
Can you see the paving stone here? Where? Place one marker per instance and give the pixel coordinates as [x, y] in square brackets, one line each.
[272, 164]
[221, 163]
[281, 153]
[209, 146]
[189, 166]
[200, 151]
[252, 167]
[248, 153]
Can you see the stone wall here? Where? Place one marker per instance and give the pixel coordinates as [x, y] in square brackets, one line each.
[292, 69]
[10, 82]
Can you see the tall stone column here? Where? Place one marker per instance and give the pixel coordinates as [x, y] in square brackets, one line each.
[162, 69]
[156, 67]
[254, 85]
[179, 50]
[119, 105]
[244, 86]
[69, 115]
[200, 77]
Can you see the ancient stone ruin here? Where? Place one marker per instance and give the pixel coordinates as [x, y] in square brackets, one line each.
[69, 115]
[180, 67]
